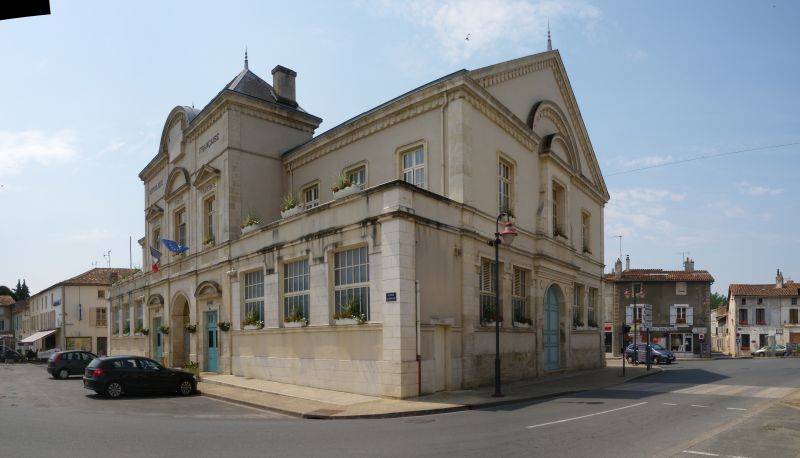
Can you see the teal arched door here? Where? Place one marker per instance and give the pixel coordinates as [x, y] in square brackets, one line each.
[552, 351]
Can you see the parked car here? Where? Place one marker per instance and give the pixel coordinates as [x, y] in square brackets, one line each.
[769, 350]
[11, 356]
[62, 364]
[114, 376]
[660, 354]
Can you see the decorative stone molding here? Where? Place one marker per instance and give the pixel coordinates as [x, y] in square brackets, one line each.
[205, 175]
[207, 290]
[153, 212]
[155, 300]
[172, 191]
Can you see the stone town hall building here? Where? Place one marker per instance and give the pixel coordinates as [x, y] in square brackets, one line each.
[351, 286]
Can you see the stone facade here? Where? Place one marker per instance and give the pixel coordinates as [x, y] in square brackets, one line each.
[408, 240]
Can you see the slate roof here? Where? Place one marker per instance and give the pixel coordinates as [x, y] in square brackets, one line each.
[652, 275]
[99, 276]
[790, 288]
[6, 300]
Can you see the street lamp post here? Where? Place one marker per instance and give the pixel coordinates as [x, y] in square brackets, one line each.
[506, 236]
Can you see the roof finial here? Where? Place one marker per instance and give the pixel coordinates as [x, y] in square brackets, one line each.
[245, 59]
[549, 43]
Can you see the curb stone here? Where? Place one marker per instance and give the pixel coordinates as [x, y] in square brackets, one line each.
[415, 413]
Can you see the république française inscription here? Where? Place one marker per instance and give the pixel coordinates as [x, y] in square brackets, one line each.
[208, 144]
[156, 186]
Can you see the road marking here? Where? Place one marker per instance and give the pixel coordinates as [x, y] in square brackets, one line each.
[586, 416]
[669, 404]
[693, 452]
[696, 405]
[735, 408]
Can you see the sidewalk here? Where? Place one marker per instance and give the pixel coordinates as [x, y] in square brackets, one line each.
[307, 402]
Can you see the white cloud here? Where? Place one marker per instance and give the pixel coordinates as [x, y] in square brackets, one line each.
[90, 235]
[734, 211]
[647, 161]
[644, 213]
[636, 54]
[489, 23]
[757, 191]
[20, 149]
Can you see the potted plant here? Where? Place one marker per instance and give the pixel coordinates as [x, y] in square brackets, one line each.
[193, 367]
[224, 325]
[209, 241]
[350, 313]
[290, 206]
[145, 331]
[252, 323]
[295, 318]
[592, 323]
[250, 223]
[163, 329]
[489, 315]
[137, 332]
[191, 328]
[521, 321]
[343, 187]
[126, 331]
[576, 322]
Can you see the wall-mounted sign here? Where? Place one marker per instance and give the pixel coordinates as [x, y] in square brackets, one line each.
[391, 297]
[156, 186]
[208, 144]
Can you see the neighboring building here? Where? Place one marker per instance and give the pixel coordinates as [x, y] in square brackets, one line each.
[403, 248]
[719, 329]
[679, 302]
[71, 314]
[762, 314]
[19, 312]
[6, 329]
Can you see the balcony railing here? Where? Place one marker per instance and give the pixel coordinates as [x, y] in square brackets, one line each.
[742, 322]
[761, 322]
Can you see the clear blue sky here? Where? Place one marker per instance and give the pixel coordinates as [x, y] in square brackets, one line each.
[85, 92]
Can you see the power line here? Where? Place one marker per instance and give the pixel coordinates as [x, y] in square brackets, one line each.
[697, 158]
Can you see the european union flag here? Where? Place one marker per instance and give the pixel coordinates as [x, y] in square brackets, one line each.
[174, 246]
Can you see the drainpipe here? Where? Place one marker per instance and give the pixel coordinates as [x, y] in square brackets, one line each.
[444, 144]
[419, 357]
[64, 317]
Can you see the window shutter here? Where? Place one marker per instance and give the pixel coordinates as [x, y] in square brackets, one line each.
[486, 276]
[93, 316]
[689, 315]
[672, 315]
[629, 314]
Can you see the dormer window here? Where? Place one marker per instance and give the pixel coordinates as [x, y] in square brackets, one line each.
[413, 167]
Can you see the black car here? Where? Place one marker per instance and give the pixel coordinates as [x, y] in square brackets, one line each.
[11, 356]
[62, 364]
[114, 376]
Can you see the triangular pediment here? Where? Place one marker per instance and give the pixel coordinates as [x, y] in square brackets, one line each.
[205, 175]
[153, 212]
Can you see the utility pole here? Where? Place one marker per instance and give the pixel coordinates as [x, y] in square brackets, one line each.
[620, 244]
[107, 255]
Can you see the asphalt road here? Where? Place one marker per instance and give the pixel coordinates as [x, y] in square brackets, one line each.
[704, 408]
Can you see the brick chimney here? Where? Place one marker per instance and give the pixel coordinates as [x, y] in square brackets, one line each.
[779, 279]
[688, 265]
[618, 268]
[283, 83]
[627, 262]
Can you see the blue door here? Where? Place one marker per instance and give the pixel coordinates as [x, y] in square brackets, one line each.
[212, 348]
[158, 340]
[552, 352]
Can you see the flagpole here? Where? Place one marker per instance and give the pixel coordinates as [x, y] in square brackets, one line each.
[130, 250]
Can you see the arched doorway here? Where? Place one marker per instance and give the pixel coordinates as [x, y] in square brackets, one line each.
[552, 324]
[180, 337]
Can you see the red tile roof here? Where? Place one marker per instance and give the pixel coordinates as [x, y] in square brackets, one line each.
[790, 288]
[99, 276]
[661, 275]
[6, 300]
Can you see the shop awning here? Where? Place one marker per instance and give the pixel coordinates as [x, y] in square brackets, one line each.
[37, 336]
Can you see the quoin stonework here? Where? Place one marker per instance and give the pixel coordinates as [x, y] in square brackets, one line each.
[357, 259]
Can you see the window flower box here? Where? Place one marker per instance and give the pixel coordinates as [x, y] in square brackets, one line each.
[344, 192]
[761, 322]
[291, 212]
[489, 324]
[253, 327]
[251, 228]
[742, 322]
[345, 321]
[518, 324]
[294, 324]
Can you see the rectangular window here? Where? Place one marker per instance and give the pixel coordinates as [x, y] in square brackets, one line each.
[742, 316]
[357, 176]
[126, 319]
[254, 296]
[311, 196]
[760, 300]
[745, 341]
[505, 178]
[680, 315]
[180, 226]
[139, 316]
[586, 232]
[680, 288]
[592, 320]
[744, 301]
[488, 300]
[559, 204]
[101, 317]
[793, 319]
[577, 306]
[761, 316]
[794, 301]
[519, 296]
[296, 278]
[208, 220]
[101, 294]
[351, 283]
[413, 163]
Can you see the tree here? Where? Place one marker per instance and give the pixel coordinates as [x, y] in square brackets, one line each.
[18, 289]
[6, 291]
[718, 300]
[24, 292]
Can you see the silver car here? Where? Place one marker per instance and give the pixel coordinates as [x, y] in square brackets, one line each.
[771, 350]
